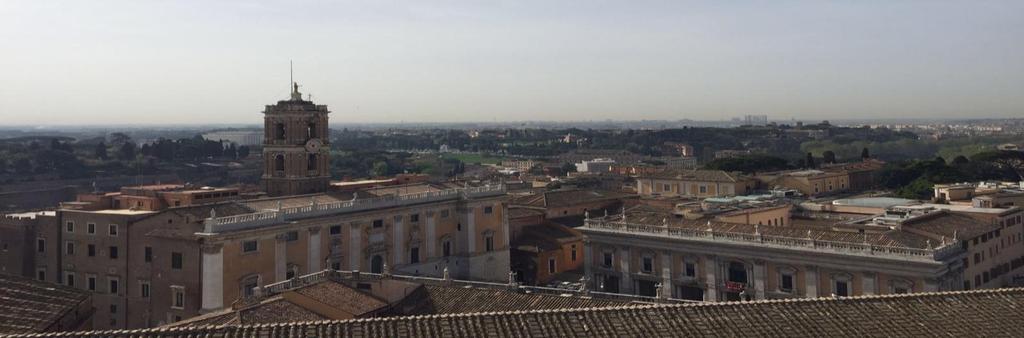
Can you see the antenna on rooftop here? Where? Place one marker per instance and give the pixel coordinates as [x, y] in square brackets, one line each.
[291, 74]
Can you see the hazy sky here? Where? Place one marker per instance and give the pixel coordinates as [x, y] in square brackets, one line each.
[375, 61]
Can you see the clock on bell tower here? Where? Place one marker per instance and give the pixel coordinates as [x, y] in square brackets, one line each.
[296, 147]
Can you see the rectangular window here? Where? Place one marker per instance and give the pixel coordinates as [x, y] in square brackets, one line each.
[112, 229]
[148, 255]
[488, 209]
[414, 218]
[690, 269]
[573, 253]
[444, 213]
[446, 248]
[414, 255]
[91, 228]
[666, 187]
[178, 297]
[291, 236]
[335, 230]
[489, 243]
[144, 289]
[113, 309]
[41, 274]
[69, 248]
[40, 245]
[69, 279]
[114, 285]
[551, 265]
[113, 252]
[786, 284]
[703, 189]
[90, 283]
[176, 260]
[69, 226]
[648, 264]
[250, 246]
[377, 223]
[607, 259]
[842, 289]
[90, 250]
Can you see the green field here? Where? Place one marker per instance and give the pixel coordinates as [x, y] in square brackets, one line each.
[475, 158]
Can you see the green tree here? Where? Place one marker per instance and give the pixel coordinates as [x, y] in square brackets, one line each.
[568, 168]
[1010, 160]
[127, 151]
[101, 151]
[243, 151]
[809, 162]
[828, 157]
[380, 169]
[864, 154]
[960, 160]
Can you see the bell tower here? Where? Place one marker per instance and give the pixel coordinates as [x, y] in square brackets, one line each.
[296, 147]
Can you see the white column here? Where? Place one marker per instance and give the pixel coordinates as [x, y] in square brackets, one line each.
[354, 246]
[627, 280]
[398, 239]
[313, 264]
[811, 277]
[213, 277]
[759, 277]
[710, 280]
[431, 238]
[280, 258]
[471, 229]
[870, 284]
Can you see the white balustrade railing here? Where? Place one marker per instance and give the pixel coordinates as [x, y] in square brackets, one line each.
[935, 254]
[269, 217]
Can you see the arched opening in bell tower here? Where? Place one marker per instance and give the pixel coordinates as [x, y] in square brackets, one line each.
[279, 131]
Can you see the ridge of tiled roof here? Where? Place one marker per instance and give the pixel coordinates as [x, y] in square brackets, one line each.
[993, 312]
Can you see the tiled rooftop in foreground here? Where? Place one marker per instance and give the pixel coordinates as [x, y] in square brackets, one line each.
[28, 305]
[981, 313]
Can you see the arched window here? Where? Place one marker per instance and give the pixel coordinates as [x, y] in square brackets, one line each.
[377, 264]
[311, 162]
[311, 130]
[279, 131]
[279, 162]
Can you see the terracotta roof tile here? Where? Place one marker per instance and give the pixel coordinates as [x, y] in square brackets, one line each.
[28, 305]
[982, 313]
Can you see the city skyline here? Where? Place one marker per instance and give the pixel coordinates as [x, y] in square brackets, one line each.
[524, 61]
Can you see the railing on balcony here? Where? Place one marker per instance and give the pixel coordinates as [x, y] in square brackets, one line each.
[935, 254]
[284, 214]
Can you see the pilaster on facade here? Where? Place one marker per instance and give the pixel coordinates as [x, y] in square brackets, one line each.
[212, 271]
[355, 242]
[666, 274]
[711, 281]
[280, 258]
[588, 262]
[811, 281]
[431, 235]
[314, 249]
[870, 283]
[759, 274]
[398, 239]
[627, 275]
